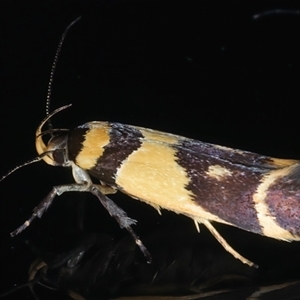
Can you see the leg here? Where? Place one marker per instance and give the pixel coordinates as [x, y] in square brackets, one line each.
[47, 201]
[97, 190]
[226, 246]
[122, 218]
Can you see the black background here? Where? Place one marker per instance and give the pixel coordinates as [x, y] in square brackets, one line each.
[220, 72]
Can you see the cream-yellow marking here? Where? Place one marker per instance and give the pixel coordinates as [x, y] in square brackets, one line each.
[158, 136]
[281, 163]
[218, 172]
[267, 221]
[92, 148]
[152, 175]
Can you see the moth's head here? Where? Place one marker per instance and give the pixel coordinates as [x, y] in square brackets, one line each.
[55, 151]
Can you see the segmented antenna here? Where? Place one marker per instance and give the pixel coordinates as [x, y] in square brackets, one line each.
[36, 159]
[53, 67]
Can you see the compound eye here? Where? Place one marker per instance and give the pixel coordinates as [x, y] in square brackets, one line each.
[59, 156]
[57, 146]
[57, 142]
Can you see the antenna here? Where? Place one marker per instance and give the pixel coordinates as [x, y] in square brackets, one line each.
[39, 134]
[36, 159]
[53, 67]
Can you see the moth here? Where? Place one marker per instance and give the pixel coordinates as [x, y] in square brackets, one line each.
[205, 182]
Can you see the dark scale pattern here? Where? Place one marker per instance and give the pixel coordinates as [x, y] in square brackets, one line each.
[239, 157]
[283, 199]
[229, 198]
[124, 140]
[75, 140]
